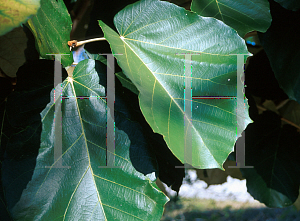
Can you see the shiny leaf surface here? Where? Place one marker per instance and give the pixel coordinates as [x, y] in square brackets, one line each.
[152, 37]
[84, 191]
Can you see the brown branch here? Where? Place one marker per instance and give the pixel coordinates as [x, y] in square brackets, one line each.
[282, 118]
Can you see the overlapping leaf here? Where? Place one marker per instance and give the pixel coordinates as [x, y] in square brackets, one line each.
[21, 128]
[120, 75]
[242, 15]
[13, 13]
[51, 27]
[84, 191]
[148, 150]
[12, 46]
[273, 151]
[153, 36]
[283, 48]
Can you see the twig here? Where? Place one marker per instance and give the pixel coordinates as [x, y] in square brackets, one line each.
[291, 123]
[280, 105]
[75, 43]
[282, 118]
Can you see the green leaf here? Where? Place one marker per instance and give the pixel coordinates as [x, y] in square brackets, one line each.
[153, 35]
[126, 82]
[51, 27]
[283, 49]
[13, 13]
[21, 128]
[120, 75]
[242, 15]
[84, 191]
[273, 151]
[12, 46]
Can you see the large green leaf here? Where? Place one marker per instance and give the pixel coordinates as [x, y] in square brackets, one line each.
[84, 191]
[13, 13]
[242, 15]
[151, 33]
[51, 27]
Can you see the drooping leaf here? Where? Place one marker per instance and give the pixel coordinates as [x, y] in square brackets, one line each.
[84, 191]
[274, 152]
[153, 34]
[12, 46]
[282, 47]
[13, 13]
[51, 27]
[242, 15]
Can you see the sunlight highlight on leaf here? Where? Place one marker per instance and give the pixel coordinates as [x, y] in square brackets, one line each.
[155, 35]
[84, 191]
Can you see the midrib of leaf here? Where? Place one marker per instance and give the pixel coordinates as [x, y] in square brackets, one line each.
[182, 49]
[123, 34]
[90, 167]
[83, 134]
[219, 10]
[172, 100]
[75, 192]
[88, 154]
[237, 12]
[207, 6]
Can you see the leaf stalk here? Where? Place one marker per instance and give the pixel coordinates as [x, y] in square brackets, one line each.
[75, 43]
